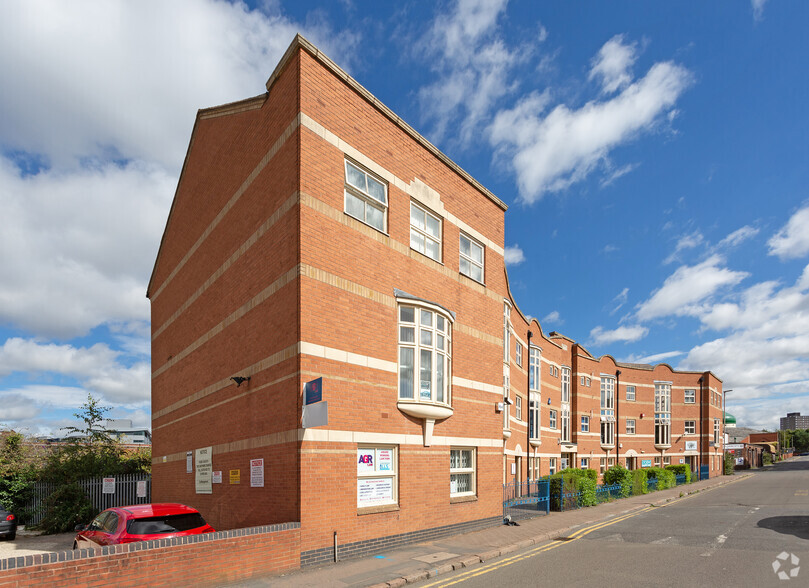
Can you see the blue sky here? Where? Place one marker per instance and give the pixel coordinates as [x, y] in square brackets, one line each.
[653, 155]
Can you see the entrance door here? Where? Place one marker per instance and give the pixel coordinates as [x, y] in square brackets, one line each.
[630, 463]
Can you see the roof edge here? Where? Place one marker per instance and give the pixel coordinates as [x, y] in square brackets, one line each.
[300, 42]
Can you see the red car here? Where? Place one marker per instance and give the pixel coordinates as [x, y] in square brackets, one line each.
[140, 522]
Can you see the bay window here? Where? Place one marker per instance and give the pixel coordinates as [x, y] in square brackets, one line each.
[425, 355]
[607, 410]
[663, 413]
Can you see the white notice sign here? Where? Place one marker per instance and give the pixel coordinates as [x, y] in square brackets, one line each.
[384, 460]
[108, 486]
[257, 473]
[365, 461]
[141, 489]
[216, 477]
[373, 491]
[690, 445]
[189, 462]
[202, 479]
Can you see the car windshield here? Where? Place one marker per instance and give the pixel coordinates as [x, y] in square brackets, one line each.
[166, 524]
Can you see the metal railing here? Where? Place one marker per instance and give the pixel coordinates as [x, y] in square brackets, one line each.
[125, 493]
[605, 493]
[525, 499]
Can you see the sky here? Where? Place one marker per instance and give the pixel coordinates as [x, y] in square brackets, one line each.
[654, 157]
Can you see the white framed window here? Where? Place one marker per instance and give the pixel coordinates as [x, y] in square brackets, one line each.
[461, 471]
[588, 382]
[690, 427]
[425, 232]
[519, 355]
[630, 426]
[425, 355]
[552, 419]
[555, 372]
[471, 258]
[533, 415]
[533, 369]
[518, 407]
[366, 197]
[690, 397]
[565, 424]
[602, 465]
[607, 411]
[377, 483]
[662, 413]
[716, 431]
[630, 393]
[565, 384]
[585, 424]
[550, 370]
[657, 462]
[582, 381]
[552, 466]
[719, 400]
[585, 463]
[666, 461]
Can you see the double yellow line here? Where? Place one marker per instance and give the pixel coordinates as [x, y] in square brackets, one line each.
[560, 542]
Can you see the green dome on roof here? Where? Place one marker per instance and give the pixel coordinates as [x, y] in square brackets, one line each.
[730, 419]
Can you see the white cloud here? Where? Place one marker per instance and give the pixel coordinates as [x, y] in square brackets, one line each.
[553, 317]
[690, 241]
[551, 151]
[758, 8]
[613, 64]
[513, 255]
[655, 358]
[600, 336]
[473, 66]
[739, 236]
[792, 241]
[687, 288]
[97, 368]
[85, 79]
[77, 247]
[620, 300]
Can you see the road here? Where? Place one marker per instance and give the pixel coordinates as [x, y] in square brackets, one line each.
[727, 536]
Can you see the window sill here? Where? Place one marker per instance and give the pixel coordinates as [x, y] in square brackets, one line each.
[459, 499]
[377, 509]
[663, 445]
[439, 262]
[425, 410]
[362, 222]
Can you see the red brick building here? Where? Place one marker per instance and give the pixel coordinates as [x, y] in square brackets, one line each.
[314, 234]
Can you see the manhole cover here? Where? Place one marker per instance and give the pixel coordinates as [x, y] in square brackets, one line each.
[434, 557]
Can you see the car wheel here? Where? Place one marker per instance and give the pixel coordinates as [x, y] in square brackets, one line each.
[12, 536]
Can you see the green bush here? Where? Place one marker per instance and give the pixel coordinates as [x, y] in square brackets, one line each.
[618, 474]
[766, 458]
[680, 470]
[582, 473]
[639, 482]
[587, 488]
[563, 483]
[67, 507]
[730, 464]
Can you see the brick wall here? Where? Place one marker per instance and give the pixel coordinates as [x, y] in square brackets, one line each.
[198, 560]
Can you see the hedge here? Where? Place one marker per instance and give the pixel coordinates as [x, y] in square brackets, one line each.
[618, 474]
[680, 470]
[639, 482]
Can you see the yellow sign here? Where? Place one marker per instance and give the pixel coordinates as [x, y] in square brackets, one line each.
[235, 476]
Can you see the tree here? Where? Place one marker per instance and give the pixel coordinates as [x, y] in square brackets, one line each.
[17, 470]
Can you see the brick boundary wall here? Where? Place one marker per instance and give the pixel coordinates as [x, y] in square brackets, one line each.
[207, 559]
[361, 548]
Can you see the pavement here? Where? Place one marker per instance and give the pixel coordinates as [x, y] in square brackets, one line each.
[417, 562]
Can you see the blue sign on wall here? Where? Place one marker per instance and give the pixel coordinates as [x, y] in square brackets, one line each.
[313, 391]
[646, 463]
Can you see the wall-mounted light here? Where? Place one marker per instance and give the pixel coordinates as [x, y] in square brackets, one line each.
[641, 415]
[549, 400]
[240, 379]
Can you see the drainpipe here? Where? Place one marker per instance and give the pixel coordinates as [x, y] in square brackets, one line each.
[701, 440]
[617, 418]
[528, 407]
